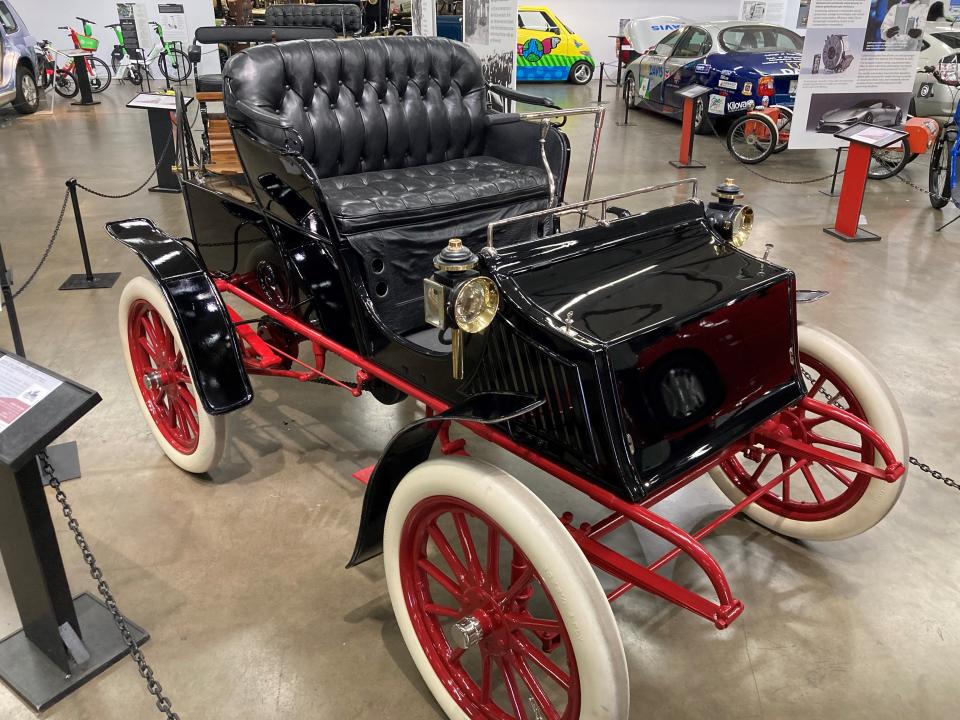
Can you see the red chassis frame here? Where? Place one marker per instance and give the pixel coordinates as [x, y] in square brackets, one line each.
[262, 358]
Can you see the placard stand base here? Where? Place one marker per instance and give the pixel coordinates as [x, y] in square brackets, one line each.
[65, 459]
[39, 682]
[94, 281]
[692, 164]
[861, 236]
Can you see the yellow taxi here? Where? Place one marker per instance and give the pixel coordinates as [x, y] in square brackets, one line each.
[547, 50]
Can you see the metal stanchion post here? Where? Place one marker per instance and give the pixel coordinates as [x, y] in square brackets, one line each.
[89, 280]
[600, 91]
[11, 308]
[836, 171]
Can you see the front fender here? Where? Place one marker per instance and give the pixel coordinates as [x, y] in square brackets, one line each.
[208, 336]
[411, 446]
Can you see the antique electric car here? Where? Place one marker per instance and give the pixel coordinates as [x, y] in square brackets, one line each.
[386, 215]
[746, 65]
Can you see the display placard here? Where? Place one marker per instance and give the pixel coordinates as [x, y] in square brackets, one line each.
[771, 11]
[873, 135]
[424, 16]
[157, 101]
[859, 65]
[693, 91]
[490, 28]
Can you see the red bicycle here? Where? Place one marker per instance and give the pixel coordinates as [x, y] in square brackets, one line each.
[97, 70]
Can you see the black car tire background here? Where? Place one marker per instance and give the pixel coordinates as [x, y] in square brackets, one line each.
[630, 91]
[707, 124]
[26, 80]
[939, 172]
[574, 71]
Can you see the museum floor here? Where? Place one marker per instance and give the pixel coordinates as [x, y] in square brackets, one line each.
[240, 578]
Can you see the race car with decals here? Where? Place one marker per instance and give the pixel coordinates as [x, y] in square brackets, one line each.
[747, 66]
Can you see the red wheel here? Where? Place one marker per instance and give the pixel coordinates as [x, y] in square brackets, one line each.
[485, 596]
[160, 375]
[819, 501]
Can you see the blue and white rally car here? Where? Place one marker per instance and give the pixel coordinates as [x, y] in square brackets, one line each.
[746, 65]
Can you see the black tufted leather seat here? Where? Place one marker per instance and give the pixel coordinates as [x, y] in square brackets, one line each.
[345, 18]
[405, 151]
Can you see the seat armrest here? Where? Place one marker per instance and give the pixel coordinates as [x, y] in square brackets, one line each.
[259, 115]
[514, 140]
[515, 96]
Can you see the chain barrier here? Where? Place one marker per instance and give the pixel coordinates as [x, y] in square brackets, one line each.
[778, 181]
[164, 705]
[141, 186]
[63, 210]
[935, 474]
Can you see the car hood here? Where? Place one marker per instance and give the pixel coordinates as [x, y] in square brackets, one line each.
[782, 64]
[844, 114]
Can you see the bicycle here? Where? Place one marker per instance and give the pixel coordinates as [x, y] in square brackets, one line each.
[172, 61]
[97, 70]
[946, 149]
[125, 66]
[63, 81]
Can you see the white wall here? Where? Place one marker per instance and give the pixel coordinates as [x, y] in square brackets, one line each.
[44, 16]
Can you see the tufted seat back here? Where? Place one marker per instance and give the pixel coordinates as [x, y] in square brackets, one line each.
[342, 17]
[364, 105]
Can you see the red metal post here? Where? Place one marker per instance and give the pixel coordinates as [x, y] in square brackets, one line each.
[853, 188]
[686, 140]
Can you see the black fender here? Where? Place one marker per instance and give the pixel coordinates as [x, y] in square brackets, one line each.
[411, 446]
[206, 331]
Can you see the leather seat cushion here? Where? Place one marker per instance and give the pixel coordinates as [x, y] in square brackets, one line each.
[385, 198]
[210, 83]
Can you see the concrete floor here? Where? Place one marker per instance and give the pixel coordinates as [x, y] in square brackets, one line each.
[240, 577]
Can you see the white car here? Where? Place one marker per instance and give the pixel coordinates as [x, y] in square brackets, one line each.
[941, 42]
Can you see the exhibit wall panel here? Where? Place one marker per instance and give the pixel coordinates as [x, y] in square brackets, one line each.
[44, 16]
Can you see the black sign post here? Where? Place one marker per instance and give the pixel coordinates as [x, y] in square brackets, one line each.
[65, 641]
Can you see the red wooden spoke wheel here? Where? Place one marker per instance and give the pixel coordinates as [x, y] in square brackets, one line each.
[163, 377]
[817, 500]
[500, 610]
[504, 654]
[162, 383]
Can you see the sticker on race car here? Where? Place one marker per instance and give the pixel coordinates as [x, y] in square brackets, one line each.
[748, 88]
[741, 106]
[703, 68]
[718, 105]
[926, 90]
[643, 89]
[727, 84]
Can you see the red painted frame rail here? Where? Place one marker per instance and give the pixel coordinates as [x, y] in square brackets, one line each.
[262, 358]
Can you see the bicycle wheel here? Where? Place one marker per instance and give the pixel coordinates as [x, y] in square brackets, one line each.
[752, 138]
[65, 83]
[99, 73]
[783, 128]
[940, 172]
[175, 65]
[887, 162]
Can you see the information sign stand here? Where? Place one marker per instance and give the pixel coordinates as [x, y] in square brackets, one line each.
[83, 79]
[689, 95]
[65, 641]
[159, 107]
[864, 138]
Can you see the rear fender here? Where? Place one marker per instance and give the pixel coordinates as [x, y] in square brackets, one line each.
[411, 446]
[208, 335]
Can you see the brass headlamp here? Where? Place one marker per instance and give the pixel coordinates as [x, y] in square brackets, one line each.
[459, 299]
[734, 222]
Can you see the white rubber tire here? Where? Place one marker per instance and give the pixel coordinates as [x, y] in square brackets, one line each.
[565, 571]
[212, 436]
[882, 413]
